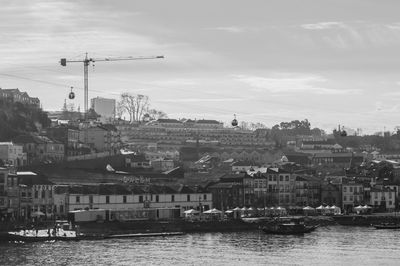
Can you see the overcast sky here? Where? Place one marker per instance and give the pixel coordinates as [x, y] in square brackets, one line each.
[333, 62]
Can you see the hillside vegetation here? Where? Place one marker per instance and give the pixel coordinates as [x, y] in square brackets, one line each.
[17, 118]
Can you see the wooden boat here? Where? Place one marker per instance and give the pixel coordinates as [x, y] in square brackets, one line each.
[387, 226]
[288, 226]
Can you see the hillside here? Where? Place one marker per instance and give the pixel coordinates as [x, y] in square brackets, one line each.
[17, 118]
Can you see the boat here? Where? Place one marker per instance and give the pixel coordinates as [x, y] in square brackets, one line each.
[146, 234]
[42, 235]
[387, 226]
[288, 226]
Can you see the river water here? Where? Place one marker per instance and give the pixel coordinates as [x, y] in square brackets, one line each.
[332, 245]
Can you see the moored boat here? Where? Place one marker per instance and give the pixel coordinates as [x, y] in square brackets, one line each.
[387, 226]
[288, 226]
[42, 235]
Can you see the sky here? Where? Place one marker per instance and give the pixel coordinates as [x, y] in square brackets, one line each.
[332, 62]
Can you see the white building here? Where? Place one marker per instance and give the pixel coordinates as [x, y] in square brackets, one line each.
[12, 154]
[105, 108]
[120, 198]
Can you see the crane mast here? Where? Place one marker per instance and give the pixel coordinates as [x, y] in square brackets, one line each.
[86, 62]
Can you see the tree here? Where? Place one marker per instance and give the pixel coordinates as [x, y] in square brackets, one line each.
[135, 105]
[154, 114]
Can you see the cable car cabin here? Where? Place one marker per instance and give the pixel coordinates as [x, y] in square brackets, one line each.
[234, 122]
[71, 95]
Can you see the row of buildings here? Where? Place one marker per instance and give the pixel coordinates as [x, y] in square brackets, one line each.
[23, 193]
[174, 134]
[278, 187]
[59, 143]
[15, 95]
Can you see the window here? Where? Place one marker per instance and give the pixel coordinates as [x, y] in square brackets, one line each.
[344, 189]
[390, 195]
[172, 198]
[124, 199]
[91, 199]
[140, 199]
[351, 189]
[280, 178]
[107, 199]
[287, 178]
[61, 208]
[205, 197]
[36, 194]
[188, 197]
[43, 194]
[77, 199]
[157, 198]
[344, 198]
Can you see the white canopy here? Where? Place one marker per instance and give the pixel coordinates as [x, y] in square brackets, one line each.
[191, 211]
[367, 207]
[359, 207]
[37, 214]
[213, 211]
[320, 208]
[237, 209]
[308, 208]
[244, 209]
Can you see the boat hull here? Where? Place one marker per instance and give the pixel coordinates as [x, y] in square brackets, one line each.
[18, 238]
[394, 226]
[289, 231]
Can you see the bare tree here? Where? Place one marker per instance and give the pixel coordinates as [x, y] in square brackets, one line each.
[127, 105]
[142, 104]
[134, 105]
[156, 114]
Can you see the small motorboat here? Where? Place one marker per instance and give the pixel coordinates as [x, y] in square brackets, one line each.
[288, 226]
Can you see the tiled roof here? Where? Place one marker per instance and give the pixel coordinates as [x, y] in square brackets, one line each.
[204, 121]
[164, 120]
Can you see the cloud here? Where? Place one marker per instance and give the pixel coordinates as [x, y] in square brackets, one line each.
[290, 83]
[231, 29]
[323, 25]
[195, 100]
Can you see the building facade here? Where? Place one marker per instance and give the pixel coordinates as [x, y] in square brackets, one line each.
[105, 108]
[12, 154]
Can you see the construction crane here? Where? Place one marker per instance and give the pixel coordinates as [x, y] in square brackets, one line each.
[86, 62]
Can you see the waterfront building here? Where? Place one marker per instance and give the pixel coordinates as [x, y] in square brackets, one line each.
[12, 154]
[307, 191]
[352, 194]
[3, 192]
[121, 197]
[383, 199]
[331, 194]
[105, 108]
[228, 193]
